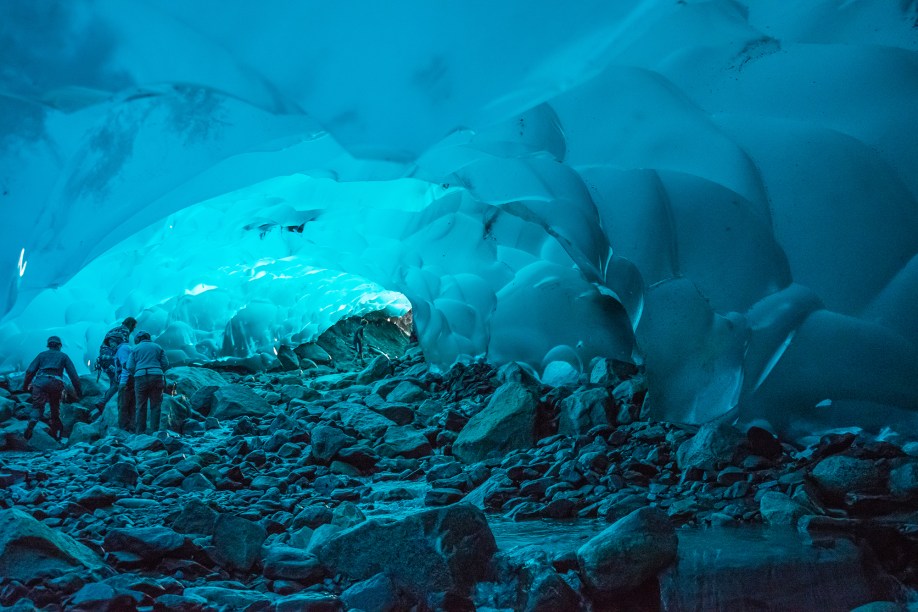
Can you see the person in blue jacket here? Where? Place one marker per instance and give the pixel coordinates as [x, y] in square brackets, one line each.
[45, 378]
[125, 383]
[148, 365]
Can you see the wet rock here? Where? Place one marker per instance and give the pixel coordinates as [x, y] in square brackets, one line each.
[369, 424]
[376, 594]
[309, 602]
[629, 552]
[761, 442]
[407, 392]
[179, 603]
[442, 497]
[400, 414]
[169, 478]
[550, 593]
[287, 563]
[584, 410]
[234, 401]
[434, 550]
[289, 360]
[148, 543]
[29, 549]
[506, 423]
[188, 380]
[237, 542]
[839, 474]
[779, 509]
[202, 400]
[197, 482]
[713, 447]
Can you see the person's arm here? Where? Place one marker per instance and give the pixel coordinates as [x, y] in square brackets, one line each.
[30, 374]
[74, 377]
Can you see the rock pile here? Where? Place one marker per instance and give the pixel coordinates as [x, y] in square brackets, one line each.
[371, 489]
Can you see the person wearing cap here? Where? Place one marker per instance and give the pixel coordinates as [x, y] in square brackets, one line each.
[148, 365]
[45, 378]
[359, 338]
[114, 338]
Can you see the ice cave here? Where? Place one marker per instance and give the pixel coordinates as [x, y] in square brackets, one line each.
[638, 281]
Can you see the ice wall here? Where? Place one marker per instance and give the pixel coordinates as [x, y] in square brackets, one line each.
[724, 190]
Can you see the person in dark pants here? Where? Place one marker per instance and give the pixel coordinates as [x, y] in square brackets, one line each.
[45, 377]
[105, 362]
[148, 365]
[359, 339]
[125, 384]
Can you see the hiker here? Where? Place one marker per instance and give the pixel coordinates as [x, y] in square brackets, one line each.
[105, 362]
[148, 365]
[359, 339]
[125, 388]
[45, 378]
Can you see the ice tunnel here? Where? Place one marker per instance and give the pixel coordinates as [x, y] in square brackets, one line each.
[722, 190]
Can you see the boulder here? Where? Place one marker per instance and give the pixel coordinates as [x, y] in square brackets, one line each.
[713, 447]
[407, 392]
[584, 410]
[313, 352]
[237, 542]
[29, 549]
[288, 563]
[506, 423]
[446, 549]
[120, 473]
[188, 380]
[839, 474]
[629, 552]
[379, 368]
[233, 599]
[779, 509]
[405, 442]
[195, 517]
[609, 372]
[327, 442]
[376, 594]
[289, 360]
[369, 424]
[234, 401]
[85, 433]
[98, 596]
[148, 543]
[903, 480]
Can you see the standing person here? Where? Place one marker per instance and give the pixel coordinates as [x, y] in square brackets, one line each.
[45, 377]
[105, 362]
[148, 365]
[359, 339]
[125, 388]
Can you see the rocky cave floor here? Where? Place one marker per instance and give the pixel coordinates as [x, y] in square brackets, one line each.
[382, 488]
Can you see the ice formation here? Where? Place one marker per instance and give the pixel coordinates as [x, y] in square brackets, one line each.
[724, 190]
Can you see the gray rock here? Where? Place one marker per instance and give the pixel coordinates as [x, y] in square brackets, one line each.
[506, 423]
[327, 441]
[197, 482]
[583, 410]
[379, 368]
[30, 549]
[237, 542]
[629, 552]
[369, 424]
[313, 352]
[188, 380]
[122, 473]
[779, 509]
[446, 549]
[839, 474]
[713, 447]
[169, 478]
[234, 401]
[288, 359]
[609, 372]
[97, 497]
[235, 599]
[407, 392]
[376, 594]
[195, 517]
[287, 563]
[903, 480]
[148, 543]
[405, 442]
[202, 400]
[100, 596]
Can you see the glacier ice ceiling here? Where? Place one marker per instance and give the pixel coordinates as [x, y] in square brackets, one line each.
[722, 190]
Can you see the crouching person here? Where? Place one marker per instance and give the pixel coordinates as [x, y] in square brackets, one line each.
[148, 365]
[45, 378]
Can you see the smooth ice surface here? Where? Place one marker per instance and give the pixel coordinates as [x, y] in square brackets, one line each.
[724, 190]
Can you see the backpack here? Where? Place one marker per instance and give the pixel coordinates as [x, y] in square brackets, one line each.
[105, 362]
